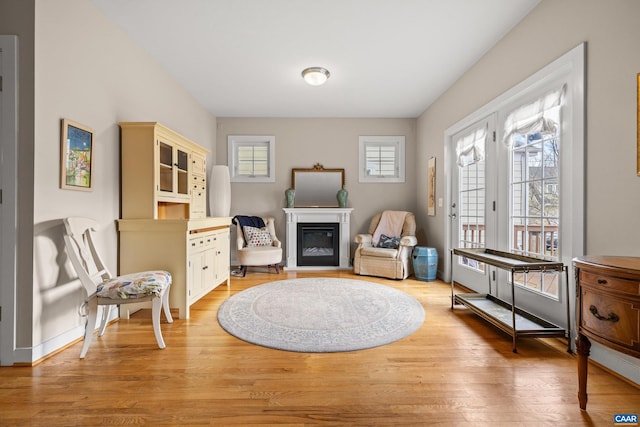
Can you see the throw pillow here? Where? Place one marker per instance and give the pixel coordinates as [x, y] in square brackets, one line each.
[257, 236]
[389, 242]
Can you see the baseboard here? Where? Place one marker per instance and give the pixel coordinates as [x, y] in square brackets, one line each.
[31, 356]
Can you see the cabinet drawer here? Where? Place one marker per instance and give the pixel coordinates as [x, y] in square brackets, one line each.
[198, 164]
[198, 180]
[198, 189]
[197, 244]
[202, 242]
[614, 319]
[627, 286]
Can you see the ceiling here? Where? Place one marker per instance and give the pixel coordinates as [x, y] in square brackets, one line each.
[387, 58]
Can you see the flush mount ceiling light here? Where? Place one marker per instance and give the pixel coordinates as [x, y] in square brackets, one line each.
[315, 76]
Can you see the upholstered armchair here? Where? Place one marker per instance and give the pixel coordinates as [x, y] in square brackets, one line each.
[386, 250]
[260, 248]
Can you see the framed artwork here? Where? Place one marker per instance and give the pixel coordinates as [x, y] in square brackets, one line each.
[76, 156]
[431, 187]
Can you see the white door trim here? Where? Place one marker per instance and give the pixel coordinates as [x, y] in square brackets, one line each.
[8, 186]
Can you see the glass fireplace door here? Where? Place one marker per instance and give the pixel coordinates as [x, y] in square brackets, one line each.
[318, 244]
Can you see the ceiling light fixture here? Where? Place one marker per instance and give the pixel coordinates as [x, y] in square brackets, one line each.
[315, 76]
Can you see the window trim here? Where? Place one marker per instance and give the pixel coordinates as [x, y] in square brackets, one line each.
[396, 141]
[235, 141]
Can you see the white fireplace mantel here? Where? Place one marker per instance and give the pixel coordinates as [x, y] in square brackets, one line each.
[341, 216]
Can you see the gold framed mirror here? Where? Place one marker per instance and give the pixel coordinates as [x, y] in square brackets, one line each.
[317, 186]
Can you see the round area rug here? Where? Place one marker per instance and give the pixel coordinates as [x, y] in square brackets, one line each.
[318, 315]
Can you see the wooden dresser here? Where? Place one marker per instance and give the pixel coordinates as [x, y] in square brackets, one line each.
[607, 308]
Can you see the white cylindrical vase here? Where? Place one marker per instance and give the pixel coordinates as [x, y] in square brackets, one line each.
[219, 191]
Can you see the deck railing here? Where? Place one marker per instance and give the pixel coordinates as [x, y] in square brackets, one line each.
[533, 239]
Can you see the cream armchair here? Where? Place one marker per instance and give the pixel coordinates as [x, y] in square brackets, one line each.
[265, 250]
[393, 263]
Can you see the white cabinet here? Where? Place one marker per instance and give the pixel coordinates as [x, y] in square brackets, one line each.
[208, 262]
[196, 252]
[198, 186]
[164, 223]
[159, 168]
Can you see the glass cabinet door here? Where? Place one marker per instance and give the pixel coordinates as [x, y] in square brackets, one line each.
[182, 172]
[174, 169]
[166, 167]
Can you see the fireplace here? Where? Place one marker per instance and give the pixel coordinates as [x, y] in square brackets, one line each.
[323, 259]
[318, 244]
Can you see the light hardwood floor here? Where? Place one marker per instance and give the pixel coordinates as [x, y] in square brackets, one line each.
[455, 370]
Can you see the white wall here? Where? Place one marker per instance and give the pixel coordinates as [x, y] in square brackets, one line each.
[301, 143]
[88, 71]
[554, 27]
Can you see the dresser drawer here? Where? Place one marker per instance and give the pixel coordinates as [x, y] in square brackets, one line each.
[628, 286]
[613, 319]
[199, 179]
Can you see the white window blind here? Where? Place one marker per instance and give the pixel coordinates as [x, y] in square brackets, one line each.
[530, 118]
[253, 159]
[470, 148]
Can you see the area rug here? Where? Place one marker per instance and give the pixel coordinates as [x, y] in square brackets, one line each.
[318, 315]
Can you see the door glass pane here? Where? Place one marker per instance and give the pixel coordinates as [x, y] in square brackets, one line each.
[535, 195]
[472, 220]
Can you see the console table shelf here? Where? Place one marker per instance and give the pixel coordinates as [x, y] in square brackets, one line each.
[504, 315]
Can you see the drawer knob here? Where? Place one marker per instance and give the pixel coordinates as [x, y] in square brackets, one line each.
[611, 318]
[602, 281]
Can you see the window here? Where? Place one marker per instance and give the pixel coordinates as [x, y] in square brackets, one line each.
[381, 159]
[251, 158]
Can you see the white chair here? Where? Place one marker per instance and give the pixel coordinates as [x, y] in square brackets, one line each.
[108, 291]
[390, 262]
[269, 254]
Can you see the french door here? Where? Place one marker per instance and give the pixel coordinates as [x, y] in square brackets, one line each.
[472, 212]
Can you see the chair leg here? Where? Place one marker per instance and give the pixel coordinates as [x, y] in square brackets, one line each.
[165, 305]
[106, 310]
[277, 266]
[244, 270]
[92, 315]
[155, 319]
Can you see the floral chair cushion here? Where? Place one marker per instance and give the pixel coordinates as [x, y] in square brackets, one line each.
[135, 285]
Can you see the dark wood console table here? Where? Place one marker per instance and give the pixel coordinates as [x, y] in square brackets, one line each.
[504, 315]
[607, 309]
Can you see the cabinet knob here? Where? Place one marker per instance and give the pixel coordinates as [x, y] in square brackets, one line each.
[602, 281]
